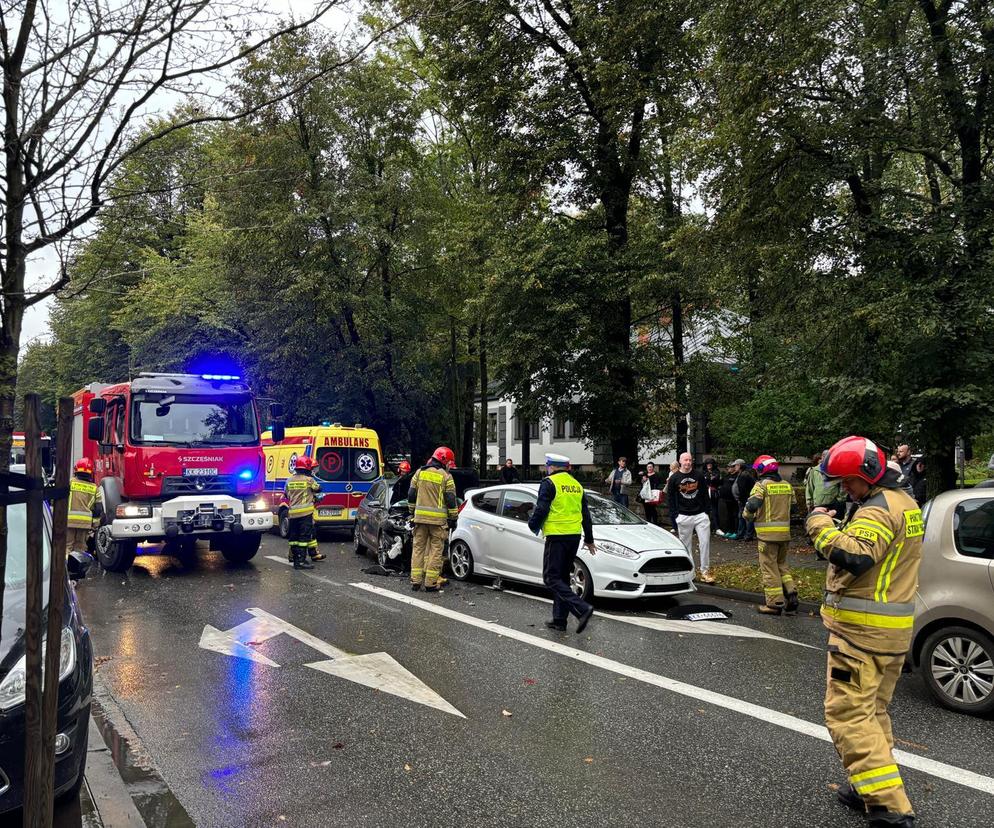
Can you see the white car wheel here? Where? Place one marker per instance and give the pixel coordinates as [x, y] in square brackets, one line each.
[460, 560]
[580, 581]
[958, 668]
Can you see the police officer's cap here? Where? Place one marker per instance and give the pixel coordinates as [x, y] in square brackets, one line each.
[556, 460]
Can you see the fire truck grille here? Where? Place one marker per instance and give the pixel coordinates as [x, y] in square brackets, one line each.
[219, 484]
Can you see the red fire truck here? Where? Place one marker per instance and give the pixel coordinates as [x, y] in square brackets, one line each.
[177, 458]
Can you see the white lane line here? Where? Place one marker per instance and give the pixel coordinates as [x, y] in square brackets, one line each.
[690, 627]
[941, 770]
[309, 572]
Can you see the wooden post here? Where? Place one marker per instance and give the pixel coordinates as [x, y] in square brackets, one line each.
[35, 529]
[56, 600]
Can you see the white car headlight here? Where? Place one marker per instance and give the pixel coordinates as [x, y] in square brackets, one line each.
[616, 549]
[15, 682]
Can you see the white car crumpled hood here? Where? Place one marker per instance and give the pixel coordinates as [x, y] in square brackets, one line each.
[641, 538]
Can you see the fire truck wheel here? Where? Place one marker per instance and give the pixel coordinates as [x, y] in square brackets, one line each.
[114, 555]
[284, 524]
[241, 548]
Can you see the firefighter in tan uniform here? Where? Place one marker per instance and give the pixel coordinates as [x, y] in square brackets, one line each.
[869, 611]
[769, 506]
[432, 501]
[85, 506]
[300, 490]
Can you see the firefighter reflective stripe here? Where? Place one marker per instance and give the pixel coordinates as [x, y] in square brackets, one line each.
[82, 497]
[779, 526]
[867, 613]
[877, 779]
[826, 537]
[773, 590]
[566, 509]
[883, 579]
[432, 486]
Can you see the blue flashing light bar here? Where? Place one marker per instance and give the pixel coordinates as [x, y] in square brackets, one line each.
[221, 377]
[246, 474]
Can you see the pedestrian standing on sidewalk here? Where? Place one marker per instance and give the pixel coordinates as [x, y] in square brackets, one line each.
[655, 485]
[726, 496]
[743, 487]
[431, 500]
[619, 479]
[687, 495]
[769, 508]
[561, 513]
[919, 486]
[300, 489]
[713, 478]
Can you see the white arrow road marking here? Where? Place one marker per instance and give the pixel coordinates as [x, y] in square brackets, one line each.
[941, 770]
[234, 642]
[379, 671]
[677, 626]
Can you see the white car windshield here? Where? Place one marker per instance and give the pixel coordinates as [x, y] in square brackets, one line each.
[604, 512]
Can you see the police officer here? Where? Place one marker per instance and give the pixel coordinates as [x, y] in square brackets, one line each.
[432, 502]
[300, 490]
[869, 611]
[562, 514]
[86, 505]
[769, 506]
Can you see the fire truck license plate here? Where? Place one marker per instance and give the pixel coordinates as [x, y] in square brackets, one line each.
[329, 512]
[199, 472]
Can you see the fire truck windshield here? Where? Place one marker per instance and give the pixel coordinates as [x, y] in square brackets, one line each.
[179, 420]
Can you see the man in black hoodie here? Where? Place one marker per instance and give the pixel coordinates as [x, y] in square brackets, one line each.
[690, 503]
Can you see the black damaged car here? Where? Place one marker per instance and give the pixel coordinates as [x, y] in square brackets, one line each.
[75, 671]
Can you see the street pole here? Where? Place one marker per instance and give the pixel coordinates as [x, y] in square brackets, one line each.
[56, 598]
[33, 807]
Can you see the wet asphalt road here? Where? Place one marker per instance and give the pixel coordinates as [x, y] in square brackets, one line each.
[547, 739]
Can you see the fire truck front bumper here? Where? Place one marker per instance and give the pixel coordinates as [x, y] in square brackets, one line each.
[192, 515]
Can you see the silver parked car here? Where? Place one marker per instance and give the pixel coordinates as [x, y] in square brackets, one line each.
[953, 641]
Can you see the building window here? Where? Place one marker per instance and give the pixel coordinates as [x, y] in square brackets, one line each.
[533, 431]
[559, 428]
[492, 427]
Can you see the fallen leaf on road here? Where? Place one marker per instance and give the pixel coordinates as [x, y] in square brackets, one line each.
[833, 786]
[281, 818]
[589, 760]
[911, 744]
[507, 713]
[337, 746]
[529, 681]
[407, 768]
[101, 660]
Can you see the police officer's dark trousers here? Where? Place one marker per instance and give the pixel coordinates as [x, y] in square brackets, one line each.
[560, 552]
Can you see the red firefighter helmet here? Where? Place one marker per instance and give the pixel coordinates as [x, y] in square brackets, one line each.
[765, 463]
[855, 457]
[305, 463]
[403, 467]
[445, 456]
[84, 466]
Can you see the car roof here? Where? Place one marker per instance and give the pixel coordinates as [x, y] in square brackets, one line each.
[954, 496]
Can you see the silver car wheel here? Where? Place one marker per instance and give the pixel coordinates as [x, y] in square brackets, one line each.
[963, 670]
[578, 580]
[460, 560]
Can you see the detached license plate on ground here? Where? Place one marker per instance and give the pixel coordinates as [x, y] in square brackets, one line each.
[199, 472]
[666, 578]
[336, 512]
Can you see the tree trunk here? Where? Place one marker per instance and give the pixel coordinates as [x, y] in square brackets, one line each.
[470, 370]
[484, 401]
[679, 380]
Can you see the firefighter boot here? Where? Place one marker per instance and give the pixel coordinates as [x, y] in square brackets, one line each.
[763, 609]
[792, 604]
[851, 799]
[879, 817]
[300, 559]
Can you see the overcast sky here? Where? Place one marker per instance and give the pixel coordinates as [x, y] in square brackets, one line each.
[42, 269]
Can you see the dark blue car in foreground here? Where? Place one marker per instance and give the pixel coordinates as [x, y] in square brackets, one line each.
[75, 673]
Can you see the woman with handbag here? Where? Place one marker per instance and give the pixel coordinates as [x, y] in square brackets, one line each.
[651, 492]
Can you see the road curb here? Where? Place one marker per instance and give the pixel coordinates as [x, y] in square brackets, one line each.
[110, 798]
[751, 597]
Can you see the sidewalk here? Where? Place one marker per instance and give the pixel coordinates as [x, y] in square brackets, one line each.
[104, 794]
